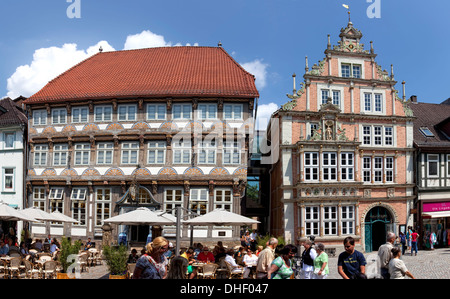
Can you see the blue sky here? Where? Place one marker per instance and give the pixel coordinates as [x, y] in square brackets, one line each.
[269, 37]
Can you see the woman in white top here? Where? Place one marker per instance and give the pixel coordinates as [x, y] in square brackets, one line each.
[397, 268]
[250, 260]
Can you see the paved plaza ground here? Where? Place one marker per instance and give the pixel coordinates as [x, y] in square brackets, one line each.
[426, 265]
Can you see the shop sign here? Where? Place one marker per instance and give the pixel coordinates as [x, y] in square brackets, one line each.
[436, 207]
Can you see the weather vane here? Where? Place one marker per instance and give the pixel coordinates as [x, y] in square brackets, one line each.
[348, 9]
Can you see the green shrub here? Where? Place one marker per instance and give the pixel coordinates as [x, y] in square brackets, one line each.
[67, 248]
[116, 259]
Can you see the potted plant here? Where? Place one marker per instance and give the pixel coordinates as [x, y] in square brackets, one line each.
[67, 249]
[116, 260]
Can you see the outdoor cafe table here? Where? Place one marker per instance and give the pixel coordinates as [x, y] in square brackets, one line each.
[199, 266]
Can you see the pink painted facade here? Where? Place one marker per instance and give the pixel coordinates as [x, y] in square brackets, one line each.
[345, 151]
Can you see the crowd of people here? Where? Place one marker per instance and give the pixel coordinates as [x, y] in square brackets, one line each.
[158, 260]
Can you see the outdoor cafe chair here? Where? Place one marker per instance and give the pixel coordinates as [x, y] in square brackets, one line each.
[82, 261]
[14, 267]
[49, 269]
[45, 258]
[30, 270]
[4, 268]
[93, 252]
[207, 271]
[236, 272]
[222, 269]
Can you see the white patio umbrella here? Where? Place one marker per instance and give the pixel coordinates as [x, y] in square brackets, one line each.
[140, 216]
[38, 214]
[63, 218]
[220, 217]
[8, 213]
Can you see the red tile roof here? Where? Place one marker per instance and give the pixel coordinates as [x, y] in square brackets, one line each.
[152, 72]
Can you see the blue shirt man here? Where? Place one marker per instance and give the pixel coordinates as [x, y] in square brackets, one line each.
[351, 263]
[4, 248]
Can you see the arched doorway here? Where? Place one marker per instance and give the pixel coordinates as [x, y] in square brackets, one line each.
[378, 222]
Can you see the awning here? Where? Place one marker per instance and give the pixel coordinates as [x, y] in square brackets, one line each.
[440, 214]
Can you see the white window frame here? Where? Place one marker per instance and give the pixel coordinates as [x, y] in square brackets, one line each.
[60, 154]
[103, 113]
[127, 150]
[5, 175]
[351, 63]
[56, 193]
[83, 151]
[206, 152]
[378, 136]
[330, 220]
[378, 166]
[160, 111]
[388, 136]
[311, 169]
[231, 153]
[223, 199]
[170, 199]
[389, 169]
[373, 101]
[78, 114]
[197, 198]
[40, 117]
[366, 168]
[9, 137]
[59, 116]
[40, 155]
[130, 112]
[78, 193]
[335, 96]
[233, 114]
[79, 212]
[103, 204]
[158, 148]
[39, 197]
[348, 220]
[312, 220]
[433, 158]
[103, 148]
[204, 112]
[185, 111]
[347, 166]
[329, 169]
[182, 151]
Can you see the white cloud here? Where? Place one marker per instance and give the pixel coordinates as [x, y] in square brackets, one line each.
[47, 64]
[263, 115]
[148, 39]
[259, 70]
[145, 39]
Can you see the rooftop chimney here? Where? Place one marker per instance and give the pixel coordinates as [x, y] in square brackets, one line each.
[413, 99]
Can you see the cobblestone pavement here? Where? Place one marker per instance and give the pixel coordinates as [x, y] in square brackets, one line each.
[426, 265]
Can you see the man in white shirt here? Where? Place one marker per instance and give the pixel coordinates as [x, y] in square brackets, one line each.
[385, 254]
[308, 257]
[265, 259]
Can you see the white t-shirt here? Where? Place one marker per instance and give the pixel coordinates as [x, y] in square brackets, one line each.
[250, 260]
[397, 269]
